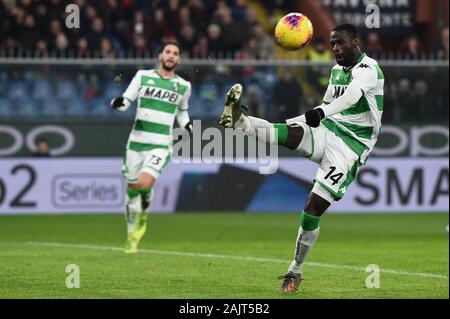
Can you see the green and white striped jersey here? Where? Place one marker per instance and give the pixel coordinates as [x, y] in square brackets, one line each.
[159, 100]
[360, 124]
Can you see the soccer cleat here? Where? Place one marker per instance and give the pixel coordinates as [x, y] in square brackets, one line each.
[135, 237]
[131, 245]
[291, 281]
[141, 226]
[232, 111]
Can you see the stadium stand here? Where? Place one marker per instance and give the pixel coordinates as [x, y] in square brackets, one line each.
[239, 30]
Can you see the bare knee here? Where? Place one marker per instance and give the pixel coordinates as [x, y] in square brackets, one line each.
[145, 181]
[316, 205]
[295, 135]
[133, 186]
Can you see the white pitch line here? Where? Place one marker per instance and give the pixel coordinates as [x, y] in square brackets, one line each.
[230, 257]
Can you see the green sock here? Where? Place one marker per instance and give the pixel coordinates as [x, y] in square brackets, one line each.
[144, 191]
[281, 133]
[132, 193]
[309, 222]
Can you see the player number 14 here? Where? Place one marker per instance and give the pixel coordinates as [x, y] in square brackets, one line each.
[336, 177]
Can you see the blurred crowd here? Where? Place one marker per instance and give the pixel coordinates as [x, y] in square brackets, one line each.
[410, 47]
[137, 28]
[83, 92]
[111, 28]
[205, 29]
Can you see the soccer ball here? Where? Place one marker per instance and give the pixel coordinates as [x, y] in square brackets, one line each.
[294, 31]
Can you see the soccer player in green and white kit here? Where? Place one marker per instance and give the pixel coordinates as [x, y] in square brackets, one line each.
[339, 135]
[161, 97]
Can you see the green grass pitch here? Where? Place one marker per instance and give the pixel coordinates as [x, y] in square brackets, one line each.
[223, 255]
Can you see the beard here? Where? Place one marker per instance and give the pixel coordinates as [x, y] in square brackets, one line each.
[167, 67]
[346, 59]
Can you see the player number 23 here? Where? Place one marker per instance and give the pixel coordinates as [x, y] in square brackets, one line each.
[335, 177]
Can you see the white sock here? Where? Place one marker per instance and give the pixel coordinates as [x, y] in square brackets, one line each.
[305, 241]
[263, 130]
[133, 207]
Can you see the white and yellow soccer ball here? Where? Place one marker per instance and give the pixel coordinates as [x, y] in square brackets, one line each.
[294, 31]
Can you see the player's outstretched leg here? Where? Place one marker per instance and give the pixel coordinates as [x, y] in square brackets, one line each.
[233, 117]
[307, 236]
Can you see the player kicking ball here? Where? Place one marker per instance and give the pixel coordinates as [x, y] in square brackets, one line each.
[161, 97]
[338, 135]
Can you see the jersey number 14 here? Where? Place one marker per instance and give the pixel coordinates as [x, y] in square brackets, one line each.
[335, 177]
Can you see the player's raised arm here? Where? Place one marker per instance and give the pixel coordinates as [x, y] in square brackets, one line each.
[345, 101]
[182, 116]
[354, 76]
[122, 103]
[364, 79]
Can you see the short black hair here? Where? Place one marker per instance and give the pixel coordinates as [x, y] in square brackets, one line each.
[171, 42]
[41, 140]
[350, 28]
